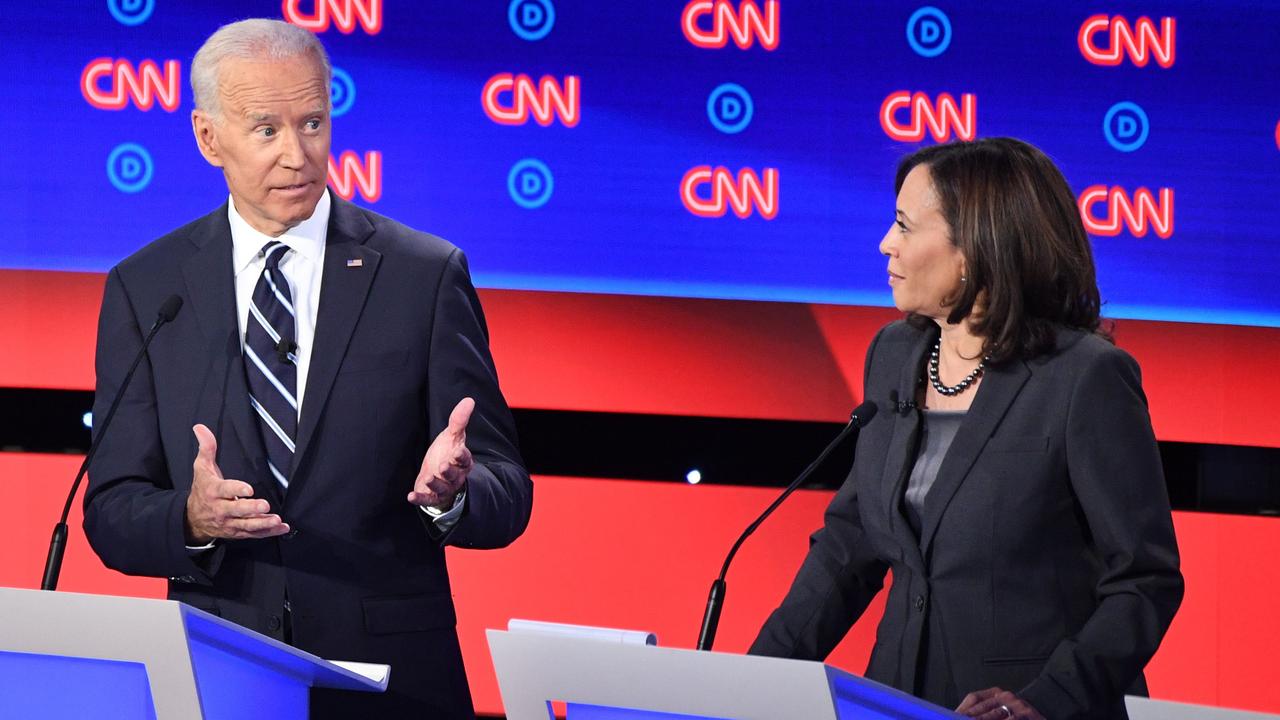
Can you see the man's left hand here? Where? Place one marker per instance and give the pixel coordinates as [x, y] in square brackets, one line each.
[447, 462]
[997, 704]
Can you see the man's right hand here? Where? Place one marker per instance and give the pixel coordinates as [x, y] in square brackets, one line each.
[222, 508]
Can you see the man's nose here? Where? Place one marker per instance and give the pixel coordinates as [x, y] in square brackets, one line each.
[291, 154]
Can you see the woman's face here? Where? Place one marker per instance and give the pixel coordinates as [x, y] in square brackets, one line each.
[924, 266]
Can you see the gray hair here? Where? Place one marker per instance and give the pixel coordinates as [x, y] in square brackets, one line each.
[257, 38]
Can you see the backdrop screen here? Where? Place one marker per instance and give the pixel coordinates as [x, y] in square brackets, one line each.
[711, 148]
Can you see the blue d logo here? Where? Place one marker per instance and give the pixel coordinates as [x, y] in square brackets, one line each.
[729, 108]
[530, 183]
[1126, 126]
[531, 19]
[929, 31]
[129, 167]
[131, 12]
[342, 92]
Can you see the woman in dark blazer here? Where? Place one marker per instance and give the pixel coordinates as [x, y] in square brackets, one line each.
[1012, 481]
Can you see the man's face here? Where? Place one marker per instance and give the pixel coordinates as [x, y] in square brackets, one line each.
[271, 139]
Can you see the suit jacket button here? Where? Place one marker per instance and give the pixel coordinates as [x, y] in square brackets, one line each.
[273, 623]
[293, 532]
[920, 603]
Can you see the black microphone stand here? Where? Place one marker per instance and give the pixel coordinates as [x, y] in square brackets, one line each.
[715, 599]
[58, 543]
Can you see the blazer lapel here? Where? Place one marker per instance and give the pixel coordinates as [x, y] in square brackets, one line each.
[1000, 385]
[900, 457]
[210, 282]
[343, 290]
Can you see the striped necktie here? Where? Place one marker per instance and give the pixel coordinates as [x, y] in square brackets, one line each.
[270, 362]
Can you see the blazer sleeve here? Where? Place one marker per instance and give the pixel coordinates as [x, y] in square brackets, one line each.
[1116, 474]
[133, 517]
[499, 491]
[840, 576]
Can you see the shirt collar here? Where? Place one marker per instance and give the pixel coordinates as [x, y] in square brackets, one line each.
[307, 238]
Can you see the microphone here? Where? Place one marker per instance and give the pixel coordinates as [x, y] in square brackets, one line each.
[860, 416]
[284, 348]
[58, 543]
[901, 407]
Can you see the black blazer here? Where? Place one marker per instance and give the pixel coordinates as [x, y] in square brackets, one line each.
[1046, 562]
[400, 339]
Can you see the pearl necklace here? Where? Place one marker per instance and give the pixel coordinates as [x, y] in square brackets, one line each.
[958, 387]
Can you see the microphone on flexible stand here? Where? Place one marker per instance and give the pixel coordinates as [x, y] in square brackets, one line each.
[58, 543]
[715, 599]
[284, 349]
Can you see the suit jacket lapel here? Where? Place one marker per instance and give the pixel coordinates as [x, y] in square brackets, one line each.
[210, 282]
[343, 290]
[900, 456]
[1000, 385]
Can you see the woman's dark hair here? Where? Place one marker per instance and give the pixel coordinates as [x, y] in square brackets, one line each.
[1014, 218]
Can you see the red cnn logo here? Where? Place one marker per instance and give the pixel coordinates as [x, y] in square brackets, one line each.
[943, 119]
[742, 193]
[1136, 40]
[744, 24]
[347, 175]
[344, 13]
[1136, 213]
[145, 85]
[510, 99]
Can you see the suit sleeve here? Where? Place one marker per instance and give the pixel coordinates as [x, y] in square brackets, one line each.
[499, 492]
[1118, 480]
[133, 516]
[838, 579]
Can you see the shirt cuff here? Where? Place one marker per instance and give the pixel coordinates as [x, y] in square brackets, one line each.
[444, 520]
[197, 549]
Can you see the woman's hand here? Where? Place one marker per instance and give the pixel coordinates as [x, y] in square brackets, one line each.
[996, 704]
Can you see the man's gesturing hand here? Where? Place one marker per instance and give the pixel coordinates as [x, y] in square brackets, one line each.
[447, 462]
[222, 508]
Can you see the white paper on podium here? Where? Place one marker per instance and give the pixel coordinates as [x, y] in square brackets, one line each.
[585, 632]
[374, 671]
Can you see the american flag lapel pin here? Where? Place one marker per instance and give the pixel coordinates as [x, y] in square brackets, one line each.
[358, 262]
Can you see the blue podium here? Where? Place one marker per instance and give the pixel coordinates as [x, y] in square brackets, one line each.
[591, 679]
[71, 655]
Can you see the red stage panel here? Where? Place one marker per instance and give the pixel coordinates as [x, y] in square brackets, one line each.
[671, 356]
[641, 555]
[49, 321]
[719, 358]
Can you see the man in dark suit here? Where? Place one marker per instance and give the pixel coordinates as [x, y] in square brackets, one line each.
[324, 415]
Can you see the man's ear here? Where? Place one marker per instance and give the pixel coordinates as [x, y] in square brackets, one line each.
[203, 126]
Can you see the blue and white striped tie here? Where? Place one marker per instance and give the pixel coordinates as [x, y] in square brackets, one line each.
[269, 346]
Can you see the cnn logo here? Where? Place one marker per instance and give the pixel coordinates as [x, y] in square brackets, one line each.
[346, 14]
[144, 86]
[745, 24]
[1140, 41]
[511, 99]
[1139, 213]
[943, 119]
[744, 193]
[347, 175]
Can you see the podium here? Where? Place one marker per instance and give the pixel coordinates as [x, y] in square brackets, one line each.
[71, 655]
[599, 680]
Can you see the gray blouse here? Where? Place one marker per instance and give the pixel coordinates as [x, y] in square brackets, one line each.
[937, 430]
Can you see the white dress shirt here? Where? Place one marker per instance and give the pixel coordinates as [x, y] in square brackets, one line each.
[303, 269]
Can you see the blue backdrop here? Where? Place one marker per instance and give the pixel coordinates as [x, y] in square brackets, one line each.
[601, 208]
